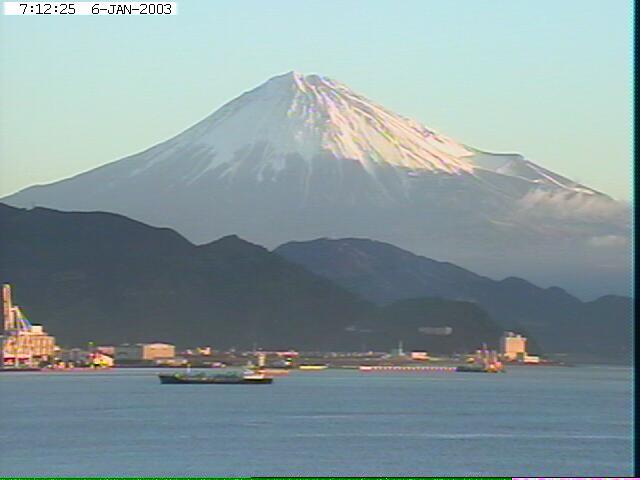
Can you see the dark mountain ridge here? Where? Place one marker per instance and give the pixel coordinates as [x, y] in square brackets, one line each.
[105, 278]
[304, 156]
[383, 273]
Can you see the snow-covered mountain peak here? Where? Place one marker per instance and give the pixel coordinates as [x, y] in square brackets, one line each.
[311, 116]
[302, 82]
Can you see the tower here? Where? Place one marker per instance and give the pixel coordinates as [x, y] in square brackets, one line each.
[8, 322]
[7, 308]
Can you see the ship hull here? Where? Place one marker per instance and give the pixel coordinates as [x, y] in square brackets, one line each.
[178, 380]
[476, 369]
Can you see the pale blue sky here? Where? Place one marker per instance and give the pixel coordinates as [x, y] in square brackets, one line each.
[548, 79]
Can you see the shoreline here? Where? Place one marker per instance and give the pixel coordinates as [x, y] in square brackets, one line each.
[410, 368]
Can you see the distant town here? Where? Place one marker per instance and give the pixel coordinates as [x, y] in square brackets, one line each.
[29, 346]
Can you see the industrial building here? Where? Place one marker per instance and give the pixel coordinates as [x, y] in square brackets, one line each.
[513, 346]
[144, 351]
[416, 355]
[526, 358]
[79, 357]
[22, 344]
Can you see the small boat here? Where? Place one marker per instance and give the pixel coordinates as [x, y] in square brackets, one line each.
[480, 368]
[202, 378]
[313, 366]
[471, 368]
[272, 372]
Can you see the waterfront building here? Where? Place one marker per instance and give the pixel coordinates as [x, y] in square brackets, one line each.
[75, 356]
[101, 360]
[78, 357]
[144, 351]
[526, 358]
[22, 343]
[512, 346]
[106, 350]
[419, 356]
[173, 362]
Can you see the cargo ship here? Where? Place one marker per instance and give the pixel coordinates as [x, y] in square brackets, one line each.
[201, 378]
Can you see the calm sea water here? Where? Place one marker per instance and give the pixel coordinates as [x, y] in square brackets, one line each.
[528, 422]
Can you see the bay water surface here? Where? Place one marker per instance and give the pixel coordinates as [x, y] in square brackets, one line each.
[531, 421]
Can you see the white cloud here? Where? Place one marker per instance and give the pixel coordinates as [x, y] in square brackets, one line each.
[573, 206]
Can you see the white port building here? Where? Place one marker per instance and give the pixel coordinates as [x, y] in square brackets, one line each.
[513, 346]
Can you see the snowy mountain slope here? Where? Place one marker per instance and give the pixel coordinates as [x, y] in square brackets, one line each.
[311, 115]
[302, 157]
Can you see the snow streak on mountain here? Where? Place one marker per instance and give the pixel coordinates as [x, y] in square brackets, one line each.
[304, 156]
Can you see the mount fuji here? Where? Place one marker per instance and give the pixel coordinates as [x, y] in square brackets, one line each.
[304, 156]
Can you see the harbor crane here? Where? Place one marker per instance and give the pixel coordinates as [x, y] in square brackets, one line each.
[23, 344]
